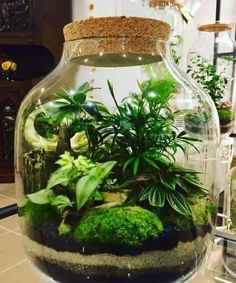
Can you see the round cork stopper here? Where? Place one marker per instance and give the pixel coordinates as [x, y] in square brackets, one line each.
[216, 27]
[131, 27]
[161, 3]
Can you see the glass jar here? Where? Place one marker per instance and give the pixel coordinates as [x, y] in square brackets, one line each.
[111, 187]
[211, 62]
[175, 14]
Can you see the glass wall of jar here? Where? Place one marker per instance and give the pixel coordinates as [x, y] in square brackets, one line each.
[115, 167]
[211, 62]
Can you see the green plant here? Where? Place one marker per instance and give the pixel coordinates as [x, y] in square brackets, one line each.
[130, 151]
[73, 184]
[206, 75]
[131, 226]
[226, 114]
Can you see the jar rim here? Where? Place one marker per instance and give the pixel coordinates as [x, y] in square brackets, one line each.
[215, 27]
[161, 3]
[130, 27]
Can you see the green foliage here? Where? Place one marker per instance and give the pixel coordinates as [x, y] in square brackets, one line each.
[141, 138]
[81, 174]
[130, 226]
[206, 75]
[172, 186]
[70, 170]
[87, 185]
[37, 214]
[226, 115]
[203, 209]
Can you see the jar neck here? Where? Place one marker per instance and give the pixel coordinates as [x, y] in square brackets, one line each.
[115, 51]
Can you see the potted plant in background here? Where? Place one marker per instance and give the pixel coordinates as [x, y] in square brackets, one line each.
[215, 84]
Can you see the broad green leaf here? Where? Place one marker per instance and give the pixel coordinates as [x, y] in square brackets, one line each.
[102, 170]
[59, 177]
[179, 203]
[87, 185]
[42, 197]
[61, 202]
[157, 197]
[85, 188]
[169, 182]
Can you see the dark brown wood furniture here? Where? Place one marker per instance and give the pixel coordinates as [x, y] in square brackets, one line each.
[25, 22]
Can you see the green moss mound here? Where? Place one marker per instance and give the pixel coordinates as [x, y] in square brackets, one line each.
[203, 211]
[37, 215]
[226, 115]
[130, 226]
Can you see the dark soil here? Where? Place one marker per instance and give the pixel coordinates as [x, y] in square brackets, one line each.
[62, 275]
[48, 236]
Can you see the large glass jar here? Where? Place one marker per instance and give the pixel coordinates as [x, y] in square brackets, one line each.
[211, 61]
[112, 185]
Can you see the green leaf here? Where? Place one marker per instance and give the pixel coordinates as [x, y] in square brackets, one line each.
[59, 177]
[160, 197]
[87, 185]
[66, 160]
[80, 95]
[102, 170]
[194, 182]
[157, 197]
[169, 182]
[145, 193]
[179, 203]
[136, 166]
[151, 163]
[127, 163]
[42, 197]
[61, 202]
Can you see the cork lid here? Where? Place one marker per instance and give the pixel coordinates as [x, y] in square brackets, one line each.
[161, 3]
[216, 27]
[131, 27]
[117, 41]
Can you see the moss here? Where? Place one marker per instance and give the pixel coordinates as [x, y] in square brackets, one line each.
[36, 214]
[203, 210]
[130, 226]
[226, 115]
[169, 216]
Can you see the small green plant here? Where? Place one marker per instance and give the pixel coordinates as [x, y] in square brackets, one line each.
[206, 75]
[225, 112]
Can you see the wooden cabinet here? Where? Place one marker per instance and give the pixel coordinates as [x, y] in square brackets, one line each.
[37, 23]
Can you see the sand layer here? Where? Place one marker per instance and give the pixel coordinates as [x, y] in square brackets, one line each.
[180, 258]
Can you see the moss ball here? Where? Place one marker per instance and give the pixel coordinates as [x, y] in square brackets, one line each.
[129, 226]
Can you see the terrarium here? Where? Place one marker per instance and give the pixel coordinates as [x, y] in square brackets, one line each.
[111, 186]
[211, 63]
